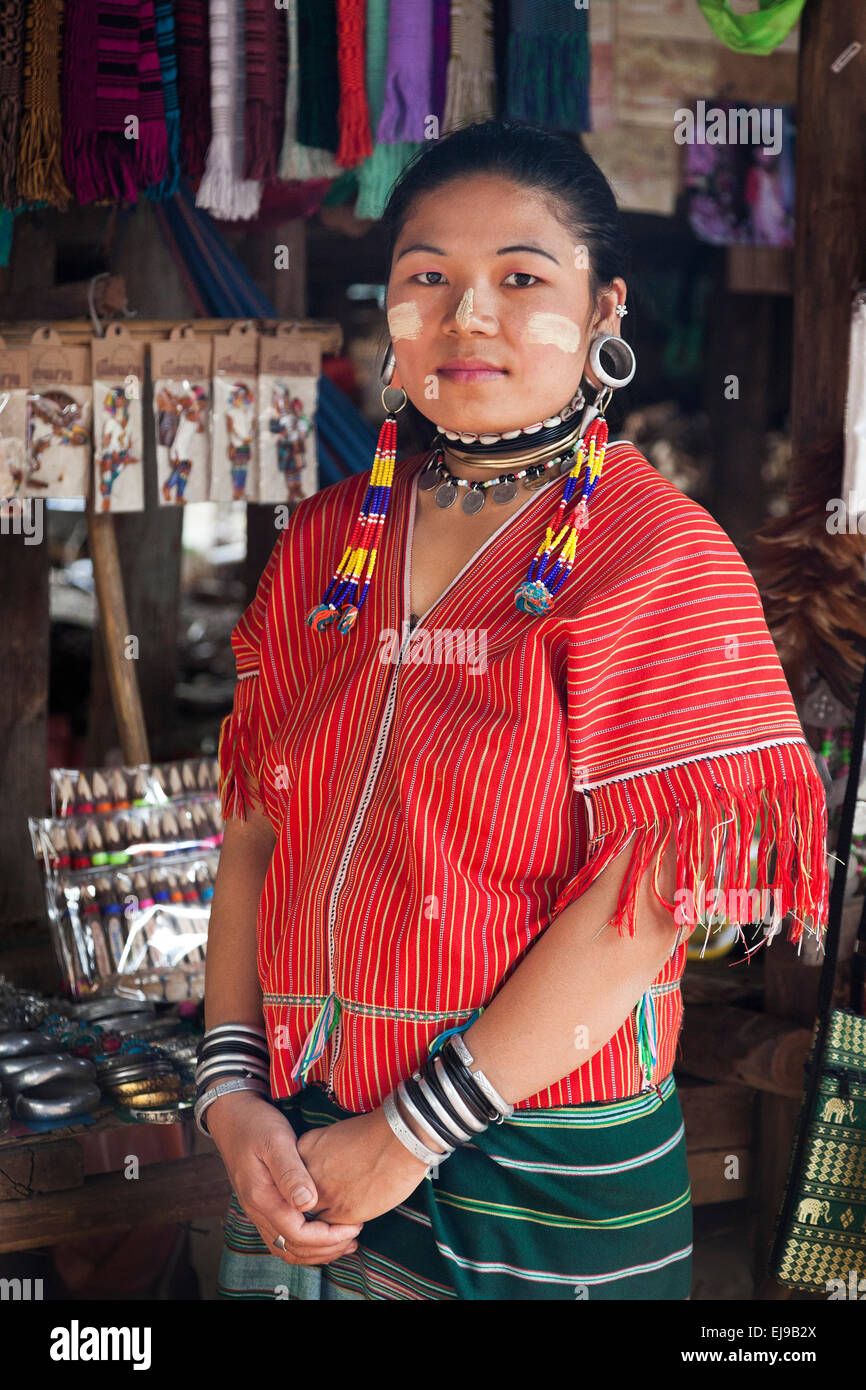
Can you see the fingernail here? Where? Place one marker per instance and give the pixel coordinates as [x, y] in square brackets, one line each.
[301, 1195]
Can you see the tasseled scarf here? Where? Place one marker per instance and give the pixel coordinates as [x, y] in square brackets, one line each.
[548, 65]
[223, 191]
[265, 106]
[40, 170]
[193, 84]
[471, 83]
[166, 45]
[11, 80]
[114, 134]
[409, 76]
[298, 160]
[377, 174]
[353, 118]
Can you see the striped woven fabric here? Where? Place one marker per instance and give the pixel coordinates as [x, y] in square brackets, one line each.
[433, 815]
[587, 1202]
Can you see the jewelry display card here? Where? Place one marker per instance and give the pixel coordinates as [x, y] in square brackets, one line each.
[289, 366]
[59, 407]
[234, 465]
[14, 379]
[181, 371]
[117, 362]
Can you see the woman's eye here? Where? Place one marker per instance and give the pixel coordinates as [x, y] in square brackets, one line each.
[420, 277]
[522, 277]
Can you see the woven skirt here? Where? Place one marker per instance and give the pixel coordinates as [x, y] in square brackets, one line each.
[575, 1202]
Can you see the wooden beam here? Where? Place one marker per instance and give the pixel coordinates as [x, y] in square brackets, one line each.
[830, 215]
[80, 331]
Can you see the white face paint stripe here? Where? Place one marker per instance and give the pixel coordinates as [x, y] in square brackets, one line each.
[465, 310]
[554, 329]
[404, 320]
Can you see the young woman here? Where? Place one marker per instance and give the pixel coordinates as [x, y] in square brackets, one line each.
[485, 792]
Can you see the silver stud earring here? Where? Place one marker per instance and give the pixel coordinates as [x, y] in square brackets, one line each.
[621, 310]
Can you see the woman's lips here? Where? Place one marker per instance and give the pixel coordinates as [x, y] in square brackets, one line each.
[470, 371]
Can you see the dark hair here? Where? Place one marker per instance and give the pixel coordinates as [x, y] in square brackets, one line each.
[553, 162]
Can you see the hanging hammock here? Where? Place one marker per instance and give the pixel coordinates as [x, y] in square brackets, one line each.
[220, 286]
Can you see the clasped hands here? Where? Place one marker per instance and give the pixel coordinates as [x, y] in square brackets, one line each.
[359, 1167]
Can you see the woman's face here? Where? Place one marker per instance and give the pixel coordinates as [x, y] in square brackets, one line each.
[489, 306]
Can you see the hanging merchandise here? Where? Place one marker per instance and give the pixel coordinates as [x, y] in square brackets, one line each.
[58, 418]
[353, 117]
[409, 76]
[40, 170]
[297, 160]
[265, 46]
[11, 83]
[234, 462]
[289, 368]
[14, 377]
[115, 140]
[118, 371]
[192, 50]
[854, 473]
[377, 174]
[760, 31]
[223, 189]
[180, 368]
[548, 65]
[471, 81]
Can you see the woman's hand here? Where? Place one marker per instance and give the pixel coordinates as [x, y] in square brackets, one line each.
[260, 1151]
[360, 1168]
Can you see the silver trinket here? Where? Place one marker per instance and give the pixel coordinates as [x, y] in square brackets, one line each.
[473, 501]
[445, 495]
[504, 492]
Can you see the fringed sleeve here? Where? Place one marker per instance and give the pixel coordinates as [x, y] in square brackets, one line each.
[681, 723]
[243, 733]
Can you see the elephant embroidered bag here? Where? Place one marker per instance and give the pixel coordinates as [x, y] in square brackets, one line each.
[820, 1238]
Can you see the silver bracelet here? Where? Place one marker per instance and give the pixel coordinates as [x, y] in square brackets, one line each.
[459, 1133]
[231, 1059]
[407, 1138]
[51, 1068]
[411, 1109]
[463, 1111]
[77, 1098]
[462, 1051]
[223, 1088]
[234, 1028]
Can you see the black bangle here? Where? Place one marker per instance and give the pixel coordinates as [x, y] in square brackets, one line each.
[432, 1078]
[419, 1100]
[467, 1086]
[215, 1047]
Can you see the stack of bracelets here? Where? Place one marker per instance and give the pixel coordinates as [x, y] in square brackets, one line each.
[231, 1057]
[447, 1100]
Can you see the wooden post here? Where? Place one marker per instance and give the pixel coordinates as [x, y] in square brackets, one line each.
[830, 216]
[121, 666]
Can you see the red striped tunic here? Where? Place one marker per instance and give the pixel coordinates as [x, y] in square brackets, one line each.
[433, 814]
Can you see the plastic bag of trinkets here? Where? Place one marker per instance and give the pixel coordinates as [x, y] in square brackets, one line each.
[138, 835]
[80, 791]
[139, 931]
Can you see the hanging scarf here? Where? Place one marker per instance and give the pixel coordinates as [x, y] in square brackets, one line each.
[548, 65]
[299, 161]
[11, 75]
[471, 84]
[40, 171]
[318, 74]
[265, 107]
[409, 76]
[377, 174]
[441, 54]
[193, 84]
[165, 42]
[223, 191]
[111, 76]
[352, 118]
[758, 32]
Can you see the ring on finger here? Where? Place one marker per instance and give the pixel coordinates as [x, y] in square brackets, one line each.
[279, 1243]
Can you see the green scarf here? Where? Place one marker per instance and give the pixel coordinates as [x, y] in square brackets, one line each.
[759, 32]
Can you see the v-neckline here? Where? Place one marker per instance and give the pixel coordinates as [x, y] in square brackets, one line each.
[409, 532]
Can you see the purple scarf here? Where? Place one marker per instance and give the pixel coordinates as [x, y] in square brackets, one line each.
[409, 75]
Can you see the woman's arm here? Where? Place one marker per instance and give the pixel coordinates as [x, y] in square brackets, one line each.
[579, 974]
[256, 1142]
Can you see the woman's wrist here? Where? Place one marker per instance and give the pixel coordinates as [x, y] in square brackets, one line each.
[395, 1152]
[229, 1107]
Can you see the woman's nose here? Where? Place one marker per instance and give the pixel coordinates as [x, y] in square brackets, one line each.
[469, 313]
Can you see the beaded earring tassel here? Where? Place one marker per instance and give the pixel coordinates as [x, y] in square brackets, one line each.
[344, 596]
[536, 594]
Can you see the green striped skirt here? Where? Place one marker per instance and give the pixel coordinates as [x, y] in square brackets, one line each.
[580, 1201]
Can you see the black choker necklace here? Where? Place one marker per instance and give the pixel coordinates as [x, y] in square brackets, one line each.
[503, 489]
[464, 443]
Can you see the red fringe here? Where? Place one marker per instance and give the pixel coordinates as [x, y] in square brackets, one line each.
[712, 805]
[353, 116]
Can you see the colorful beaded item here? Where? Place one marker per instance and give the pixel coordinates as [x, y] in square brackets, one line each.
[344, 597]
[536, 594]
